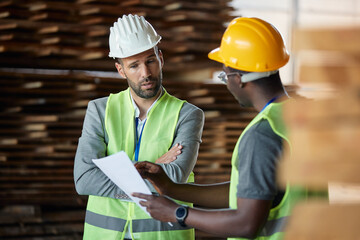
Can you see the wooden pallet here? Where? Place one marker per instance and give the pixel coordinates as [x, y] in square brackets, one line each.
[51, 34]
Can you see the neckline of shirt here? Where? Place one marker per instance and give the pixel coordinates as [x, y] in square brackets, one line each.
[137, 110]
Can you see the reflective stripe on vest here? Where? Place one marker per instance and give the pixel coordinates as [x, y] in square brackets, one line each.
[276, 221]
[109, 217]
[118, 224]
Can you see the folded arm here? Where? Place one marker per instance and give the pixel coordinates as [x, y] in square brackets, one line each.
[90, 180]
[188, 133]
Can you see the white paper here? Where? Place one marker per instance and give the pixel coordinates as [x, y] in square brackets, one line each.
[119, 168]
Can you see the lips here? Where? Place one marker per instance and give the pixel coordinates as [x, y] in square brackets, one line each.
[148, 85]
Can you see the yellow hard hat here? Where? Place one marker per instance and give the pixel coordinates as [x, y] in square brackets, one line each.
[252, 45]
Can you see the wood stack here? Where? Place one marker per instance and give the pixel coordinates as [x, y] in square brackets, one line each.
[73, 34]
[40, 122]
[325, 134]
[42, 111]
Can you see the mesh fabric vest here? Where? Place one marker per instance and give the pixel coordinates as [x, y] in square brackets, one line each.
[278, 215]
[109, 217]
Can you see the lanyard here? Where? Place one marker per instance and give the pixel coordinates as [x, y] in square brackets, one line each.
[137, 147]
[272, 100]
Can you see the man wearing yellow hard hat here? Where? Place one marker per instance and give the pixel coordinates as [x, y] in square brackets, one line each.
[251, 205]
[145, 122]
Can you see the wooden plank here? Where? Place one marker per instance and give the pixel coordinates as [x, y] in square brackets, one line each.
[13, 162]
[325, 136]
[344, 193]
[181, 15]
[38, 49]
[6, 3]
[338, 145]
[321, 221]
[345, 110]
[43, 172]
[342, 75]
[48, 155]
[59, 27]
[29, 230]
[41, 185]
[37, 178]
[153, 3]
[317, 174]
[345, 39]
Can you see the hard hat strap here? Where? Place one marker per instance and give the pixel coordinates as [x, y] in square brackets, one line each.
[248, 77]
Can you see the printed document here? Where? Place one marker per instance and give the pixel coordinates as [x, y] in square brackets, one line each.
[119, 168]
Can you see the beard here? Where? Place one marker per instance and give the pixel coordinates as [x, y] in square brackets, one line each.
[147, 93]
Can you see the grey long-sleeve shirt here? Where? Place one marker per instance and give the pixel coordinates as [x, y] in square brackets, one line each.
[90, 180]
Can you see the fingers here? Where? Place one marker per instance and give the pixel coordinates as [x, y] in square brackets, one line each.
[145, 197]
[171, 155]
[141, 195]
[145, 166]
[176, 148]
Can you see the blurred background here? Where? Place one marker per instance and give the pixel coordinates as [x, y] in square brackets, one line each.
[53, 60]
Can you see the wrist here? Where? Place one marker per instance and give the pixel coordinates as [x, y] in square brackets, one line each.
[181, 214]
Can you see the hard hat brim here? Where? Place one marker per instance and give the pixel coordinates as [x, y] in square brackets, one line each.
[215, 55]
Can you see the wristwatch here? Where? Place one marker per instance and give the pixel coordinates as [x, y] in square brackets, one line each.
[181, 214]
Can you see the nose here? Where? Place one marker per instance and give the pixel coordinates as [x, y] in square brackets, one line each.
[145, 72]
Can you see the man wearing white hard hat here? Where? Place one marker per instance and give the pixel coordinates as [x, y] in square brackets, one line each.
[144, 121]
[251, 205]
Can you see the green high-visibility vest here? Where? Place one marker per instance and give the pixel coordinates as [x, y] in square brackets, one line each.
[106, 218]
[278, 215]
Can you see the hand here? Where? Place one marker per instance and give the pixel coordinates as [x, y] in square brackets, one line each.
[159, 207]
[171, 155]
[156, 175]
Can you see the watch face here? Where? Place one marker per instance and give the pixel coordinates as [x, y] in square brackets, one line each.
[180, 212]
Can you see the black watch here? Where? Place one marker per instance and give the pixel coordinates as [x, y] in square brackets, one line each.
[181, 214]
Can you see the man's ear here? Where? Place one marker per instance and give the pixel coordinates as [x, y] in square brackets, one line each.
[161, 58]
[120, 69]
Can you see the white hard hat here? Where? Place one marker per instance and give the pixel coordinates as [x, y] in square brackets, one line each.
[131, 35]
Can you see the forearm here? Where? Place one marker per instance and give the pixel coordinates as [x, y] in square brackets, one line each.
[246, 221]
[179, 170]
[188, 133]
[208, 196]
[90, 180]
[222, 223]
[94, 182]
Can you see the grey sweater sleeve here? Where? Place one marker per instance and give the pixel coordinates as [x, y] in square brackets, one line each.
[89, 180]
[188, 133]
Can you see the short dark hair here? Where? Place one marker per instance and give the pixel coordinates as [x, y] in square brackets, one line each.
[156, 51]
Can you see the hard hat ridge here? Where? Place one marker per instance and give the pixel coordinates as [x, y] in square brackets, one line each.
[131, 35]
[252, 45]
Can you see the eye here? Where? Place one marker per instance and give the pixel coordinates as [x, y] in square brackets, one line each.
[133, 66]
[151, 60]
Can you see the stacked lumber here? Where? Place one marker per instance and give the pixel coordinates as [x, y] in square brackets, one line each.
[41, 121]
[325, 134]
[41, 222]
[41, 118]
[74, 34]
